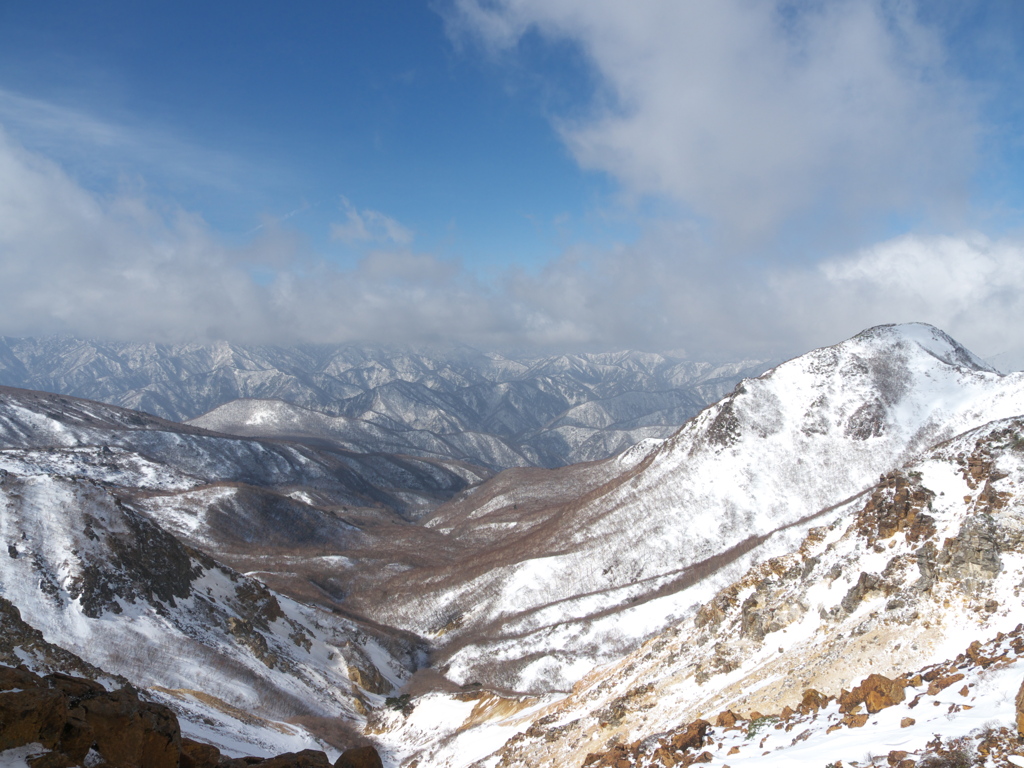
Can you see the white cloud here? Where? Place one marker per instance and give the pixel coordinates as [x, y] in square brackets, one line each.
[753, 114]
[369, 226]
[101, 148]
[75, 262]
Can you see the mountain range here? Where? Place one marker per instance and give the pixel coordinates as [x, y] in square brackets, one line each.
[492, 410]
[824, 563]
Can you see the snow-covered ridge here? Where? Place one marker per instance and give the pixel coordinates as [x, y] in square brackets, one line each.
[922, 572]
[496, 410]
[587, 580]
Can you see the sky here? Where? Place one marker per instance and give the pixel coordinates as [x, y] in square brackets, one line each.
[742, 178]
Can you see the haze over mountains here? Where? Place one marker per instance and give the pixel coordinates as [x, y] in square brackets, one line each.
[491, 410]
[853, 511]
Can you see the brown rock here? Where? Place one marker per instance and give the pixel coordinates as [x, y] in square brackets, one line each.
[32, 715]
[734, 750]
[974, 651]
[307, 758]
[896, 756]
[941, 683]
[15, 678]
[1020, 711]
[664, 757]
[855, 721]
[906, 722]
[195, 754]
[74, 687]
[359, 757]
[726, 719]
[132, 734]
[693, 737]
[812, 701]
[704, 757]
[876, 692]
[935, 673]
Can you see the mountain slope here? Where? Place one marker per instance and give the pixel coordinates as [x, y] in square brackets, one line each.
[922, 572]
[541, 593]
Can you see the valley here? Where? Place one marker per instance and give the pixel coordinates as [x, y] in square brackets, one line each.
[355, 557]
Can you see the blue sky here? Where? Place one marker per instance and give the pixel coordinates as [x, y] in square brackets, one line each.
[300, 105]
[749, 177]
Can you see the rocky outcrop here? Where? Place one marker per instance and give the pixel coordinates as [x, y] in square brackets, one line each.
[72, 716]
[80, 722]
[680, 747]
[876, 692]
[898, 503]
[359, 757]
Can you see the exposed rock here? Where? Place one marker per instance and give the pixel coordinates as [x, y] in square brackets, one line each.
[897, 504]
[125, 731]
[876, 693]
[941, 683]
[693, 737]
[974, 553]
[307, 758]
[33, 715]
[855, 721]
[71, 715]
[812, 701]
[359, 757]
[866, 584]
[195, 754]
[726, 719]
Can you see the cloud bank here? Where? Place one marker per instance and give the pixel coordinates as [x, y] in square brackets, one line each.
[753, 118]
[755, 114]
[75, 262]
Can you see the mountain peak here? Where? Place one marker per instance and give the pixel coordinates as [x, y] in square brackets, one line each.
[932, 340]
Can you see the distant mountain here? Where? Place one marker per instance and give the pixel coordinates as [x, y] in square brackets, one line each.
[1008, 361]
[492, 410]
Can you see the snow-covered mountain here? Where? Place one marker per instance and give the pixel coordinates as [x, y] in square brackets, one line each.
[917, 580]
[558, 572]
[493, 410]
[854, 511]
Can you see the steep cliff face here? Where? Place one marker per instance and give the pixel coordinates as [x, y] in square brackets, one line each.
[561, 570]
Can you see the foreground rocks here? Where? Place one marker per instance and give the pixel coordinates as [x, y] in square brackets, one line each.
[948, 685]
[77, 721]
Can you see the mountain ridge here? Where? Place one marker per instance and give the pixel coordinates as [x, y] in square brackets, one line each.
[511, 402]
